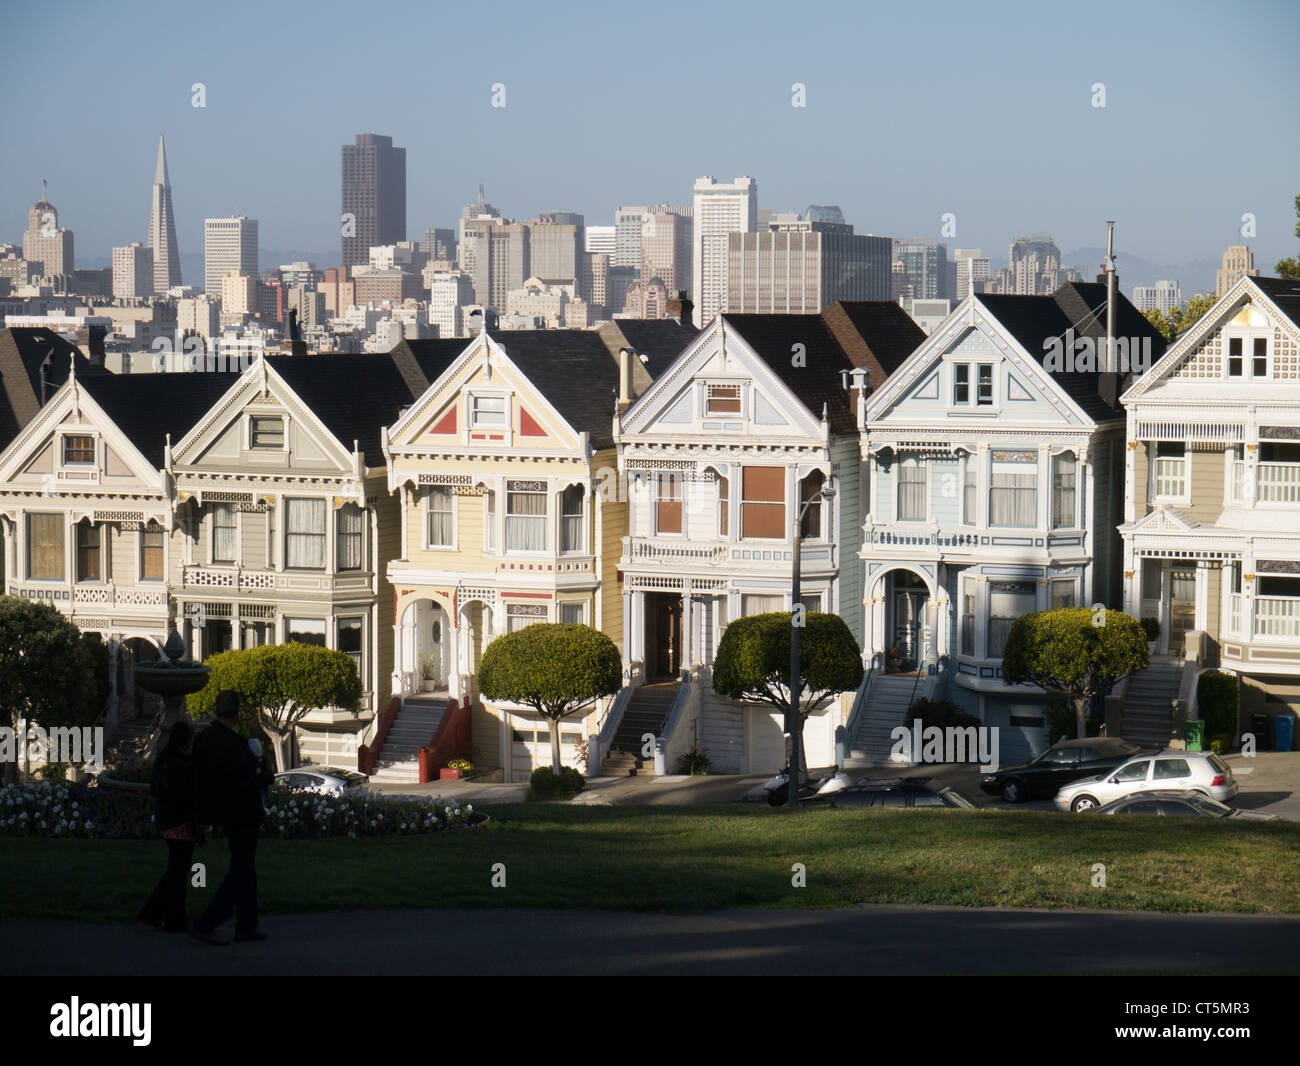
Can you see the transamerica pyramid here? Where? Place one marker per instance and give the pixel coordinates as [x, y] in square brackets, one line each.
[162, 228]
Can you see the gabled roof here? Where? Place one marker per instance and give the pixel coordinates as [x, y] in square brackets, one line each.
[148, 407]
[817, 382]
[355, 396]
[660, 340]
[1285, 294]
[888, 333]
[574, 370]
[22, 351]
[434, 356]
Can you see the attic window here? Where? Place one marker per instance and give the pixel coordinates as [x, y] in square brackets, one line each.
[78, 449]
[266, 431]
[487, 411]
[723, 399]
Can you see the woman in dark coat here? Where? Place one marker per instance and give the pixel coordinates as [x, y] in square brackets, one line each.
[173, 791]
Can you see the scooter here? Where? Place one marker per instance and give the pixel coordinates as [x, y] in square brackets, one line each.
[778, 788]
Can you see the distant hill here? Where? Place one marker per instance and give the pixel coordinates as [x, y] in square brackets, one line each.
[1134, 270]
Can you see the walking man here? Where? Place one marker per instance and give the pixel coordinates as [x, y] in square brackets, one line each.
[226, 794]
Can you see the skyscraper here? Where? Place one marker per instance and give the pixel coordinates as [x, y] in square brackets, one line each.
[132, 271]
[1238, 260]
[228, 244]
[1035, 265]
[162, 228]
[720, 208]
[46, 243]
[374, 196]
[627, 237]
[666, 247]
[926, 267]
[971, 266]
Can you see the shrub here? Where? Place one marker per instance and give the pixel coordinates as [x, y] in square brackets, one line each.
[53, 771]
[546, 784]
[694, 762]
[1151, 627]
[1216, 702]
[1061, 722]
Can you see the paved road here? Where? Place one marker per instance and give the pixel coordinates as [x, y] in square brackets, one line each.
[867, 940]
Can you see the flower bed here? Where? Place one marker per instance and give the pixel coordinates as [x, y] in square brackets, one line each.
[55, 809]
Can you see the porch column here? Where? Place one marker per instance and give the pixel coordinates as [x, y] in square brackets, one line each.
[395, 680]
[688, 627]
[1203, 578]
[1248, 579]
[453, 655]
[628, 651]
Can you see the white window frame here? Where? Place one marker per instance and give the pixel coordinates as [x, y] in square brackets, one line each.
[257, 449]
[139, 559]
[472, 414]
[92, 463]
[709, 386]
[561, 518]
[898, 488]
[547, 493]
[426, 511]
[1051, 504]
[324, 535]
[212, 535]
[491, 519]
[1153, 482]
[581, 605]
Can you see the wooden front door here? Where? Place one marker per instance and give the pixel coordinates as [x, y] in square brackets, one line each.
[1182, 608]
[663, 636]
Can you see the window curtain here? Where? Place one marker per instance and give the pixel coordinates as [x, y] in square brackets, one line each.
[440, 518]
[911, 490]
[1013, 500]
[223, 533]
[490, 520]
[351, 537]
[1063, 494]
[571, 519]
[45, 547]
[526, 521]
[305, 534]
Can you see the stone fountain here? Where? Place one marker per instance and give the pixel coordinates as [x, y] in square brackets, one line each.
[172, 678]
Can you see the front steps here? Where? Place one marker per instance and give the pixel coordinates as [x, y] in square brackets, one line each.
[646, 712]
[398, 761]
[1148, 707]
[888, 699]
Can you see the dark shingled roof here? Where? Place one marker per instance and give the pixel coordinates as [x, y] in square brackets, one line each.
[354, 395]
[574, 370]
[1034, 320]
[660, 340]
[22, 351]
[891, 334]
[434, 356]
[148, 407]
[818, 382]
[1285, 293]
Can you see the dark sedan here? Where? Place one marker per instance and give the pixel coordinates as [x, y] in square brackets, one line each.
[892, 792]
[1185, 803]
[1060, 764]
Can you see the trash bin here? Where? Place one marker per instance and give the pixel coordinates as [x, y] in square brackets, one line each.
[1195, 736]
[1259, 726]
[1282, 732]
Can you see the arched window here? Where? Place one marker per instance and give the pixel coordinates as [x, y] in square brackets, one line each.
[813, 526]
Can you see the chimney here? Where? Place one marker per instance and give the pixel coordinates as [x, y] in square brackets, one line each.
[1109, 384]
[680, 308]
[95, 344]
[624, 377]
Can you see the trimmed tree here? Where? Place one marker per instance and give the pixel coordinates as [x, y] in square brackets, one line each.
[555, 668]
[280, 684]
[49, 671]
[1075, 653]
[753, 661]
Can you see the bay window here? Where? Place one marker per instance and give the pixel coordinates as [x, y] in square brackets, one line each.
[572, 519]
[526, 516]
[351, 537]
[151, 553]
[762, 503]
[349, 638]
[223, 532]
[1013, 492]
[490, 520]
[812, 526]
[304, 534]
[1008, 600]
[969, 500]
[88, 544]
[724, 506]
[1064, 474]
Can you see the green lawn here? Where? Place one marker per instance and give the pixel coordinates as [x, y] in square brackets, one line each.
[704, 858]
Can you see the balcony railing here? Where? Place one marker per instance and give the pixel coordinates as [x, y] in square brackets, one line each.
[1277, 616]
[921, 539]
[645, 550]
[237, 579]
[1274, 482]
[1171, 477]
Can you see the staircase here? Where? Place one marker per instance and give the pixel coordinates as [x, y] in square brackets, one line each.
[647, 711]
[888, 699]
[1148, 710]
[398, 762]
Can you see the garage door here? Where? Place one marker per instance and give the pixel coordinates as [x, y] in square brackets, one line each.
[530, 746]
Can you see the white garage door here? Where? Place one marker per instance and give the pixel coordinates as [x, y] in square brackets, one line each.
[530, 746]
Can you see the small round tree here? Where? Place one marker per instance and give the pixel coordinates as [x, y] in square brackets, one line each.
[1074, 652]
[555, 668]
[280, 684]
[49, 674]
[753, 661]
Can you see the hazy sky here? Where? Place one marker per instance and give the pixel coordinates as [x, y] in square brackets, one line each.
[982, 109]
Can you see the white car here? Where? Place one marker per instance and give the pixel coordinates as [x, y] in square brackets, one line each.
[1199, 771]
[327, 780]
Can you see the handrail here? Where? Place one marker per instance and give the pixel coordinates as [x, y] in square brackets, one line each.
[675, 715]
[368, 754]
[598, 743]
[856, 712]
[452, 736]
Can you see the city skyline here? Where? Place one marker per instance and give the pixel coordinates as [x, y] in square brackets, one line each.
[894, 178]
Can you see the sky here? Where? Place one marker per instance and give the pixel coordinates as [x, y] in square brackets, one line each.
[984, 111]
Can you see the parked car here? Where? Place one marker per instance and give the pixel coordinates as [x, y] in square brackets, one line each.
[1046, 773]
[327, 780]
[1202, 772]
[1181, 802]
[910, 792]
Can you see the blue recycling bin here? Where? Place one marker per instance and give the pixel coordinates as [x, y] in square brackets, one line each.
[1282, 726]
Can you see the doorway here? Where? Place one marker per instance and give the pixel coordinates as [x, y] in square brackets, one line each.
[663, 635]
[1182, 608]
[907, 601]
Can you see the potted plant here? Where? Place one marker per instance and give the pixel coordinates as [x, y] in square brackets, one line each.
[455, 770]
[1151, 626]
[428, 671]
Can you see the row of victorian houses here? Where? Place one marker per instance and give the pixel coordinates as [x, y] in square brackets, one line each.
[408, 508]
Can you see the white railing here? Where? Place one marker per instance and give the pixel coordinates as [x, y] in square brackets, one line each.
[645, 550]
[1278, 483]
[1171, 477]
[1277, 616]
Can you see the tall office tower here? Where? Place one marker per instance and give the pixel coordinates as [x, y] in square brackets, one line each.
[971, 266]
[439, 244]
[1034, 261]
[720, 208]
[799, 267]
[666, 248]
[374, 196]
[451, 293]
[200, 315]
[825, 213]
[617, 282]
[595, 278]
[509, 262]
[474, 256]
[627, 237]
[555, 248]
[45, 243]
[1162, 296]
[239, 294]
[309, 305]
[601, 240]
[228, 244]
[925, 265]
[480, 208]
[1238, 261]
[132, 272]
[162, 228]
[300, 273]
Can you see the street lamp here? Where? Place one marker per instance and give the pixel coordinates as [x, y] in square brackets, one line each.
[827, 493]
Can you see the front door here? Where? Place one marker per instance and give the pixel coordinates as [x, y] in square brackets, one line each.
[663, 636]
[907, 628]
[1182, 608]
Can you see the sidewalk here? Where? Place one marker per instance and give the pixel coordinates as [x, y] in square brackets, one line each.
[601, 791]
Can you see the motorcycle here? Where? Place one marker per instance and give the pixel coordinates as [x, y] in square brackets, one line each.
[778, 788]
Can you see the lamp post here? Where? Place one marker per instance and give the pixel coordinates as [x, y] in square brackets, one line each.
[827, 493]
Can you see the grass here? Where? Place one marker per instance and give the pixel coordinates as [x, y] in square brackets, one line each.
[692, 859]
